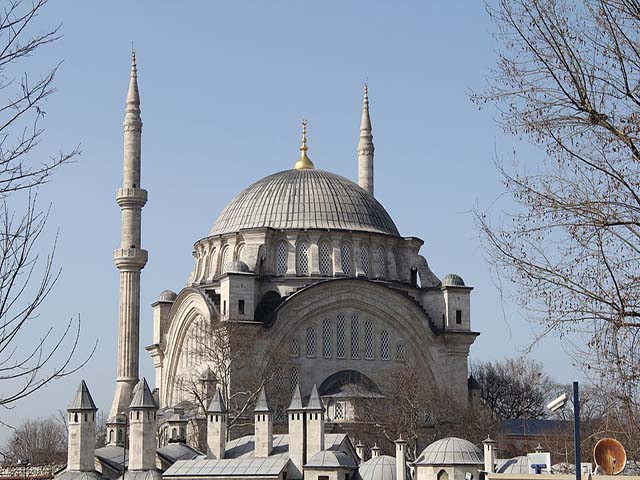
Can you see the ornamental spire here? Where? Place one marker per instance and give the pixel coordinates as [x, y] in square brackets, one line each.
[304, 162]
[133, 96]
[365, 146]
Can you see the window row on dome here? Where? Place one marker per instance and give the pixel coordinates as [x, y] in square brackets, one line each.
[363, 261]
[361, 342]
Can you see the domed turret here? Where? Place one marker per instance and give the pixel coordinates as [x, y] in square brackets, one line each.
[452, 280]
[167, 296]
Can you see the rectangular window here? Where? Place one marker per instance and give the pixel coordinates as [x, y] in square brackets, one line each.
[323, 477]
[458, 317]
[241, 307]
[224, 308]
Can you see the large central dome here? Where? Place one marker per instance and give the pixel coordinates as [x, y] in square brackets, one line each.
[306, 198]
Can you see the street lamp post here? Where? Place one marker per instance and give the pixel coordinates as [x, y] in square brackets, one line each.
[559, 403]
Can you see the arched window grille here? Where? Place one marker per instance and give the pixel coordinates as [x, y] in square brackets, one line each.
[282, 254]
[364, 259]
[326, 338]
[381, 262]
[326, 265]
[211, 265]
[302, 259]
[293, 378]
[401, 354]
[341, 326]
[384, 345]
[294, 351]
[368, 340]
[225, 263]
[338, 411]
[345, 258]
[355, 336]
[311, 342]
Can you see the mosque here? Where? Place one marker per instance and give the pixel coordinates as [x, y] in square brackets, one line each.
[309, 274]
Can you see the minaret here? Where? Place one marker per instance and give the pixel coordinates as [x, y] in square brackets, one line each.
[82, 430]
[365, 147]
[129, 258]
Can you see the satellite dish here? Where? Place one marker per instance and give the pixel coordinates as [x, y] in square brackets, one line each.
[610, 456]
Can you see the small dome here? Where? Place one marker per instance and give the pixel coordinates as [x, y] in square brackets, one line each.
[331, 459]
[168, 296]
[238, 266]
[378, 468]
[452, 280]
[513, 465]
[451, 451]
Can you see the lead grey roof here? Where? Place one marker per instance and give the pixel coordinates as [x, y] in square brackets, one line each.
[142, 475]
[82, 400]
[217, 403]
[67, 475]
[307, 198]
[142, 396]
[330, 459]
[262, 405]
[452, 280]
[513, 465]
[382, 467]
[314, 400]
[451, 451]
[240, 461]
[296, 400]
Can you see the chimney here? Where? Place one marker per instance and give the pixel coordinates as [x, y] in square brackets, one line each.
[489, 455]
[82, 428]
[401, 465]
[315, 423]
[297, 442]
[216, 427]
[142, 428]
[263, 426]
[376, 451]
[360, 451]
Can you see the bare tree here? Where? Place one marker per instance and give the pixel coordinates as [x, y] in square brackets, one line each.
[513, 388]
[568, 80]
[26, 279]
[41, 441]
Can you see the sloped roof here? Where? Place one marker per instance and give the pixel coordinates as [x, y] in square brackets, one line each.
[330, 459]
[142, 396]
[217, 403]
[82, 400]
[262, 405]
[296, 400]
[314, 400]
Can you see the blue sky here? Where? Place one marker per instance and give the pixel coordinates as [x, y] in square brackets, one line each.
[224, 86]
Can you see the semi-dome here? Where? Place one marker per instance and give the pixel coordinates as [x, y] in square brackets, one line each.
[452, 280]
[305, 198]
[382, 467]
[451, 451]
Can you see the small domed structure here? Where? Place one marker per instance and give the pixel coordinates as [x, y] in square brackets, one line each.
[167, 296]
[451, 451]
[514, 465]
[382, 467]
[452, 280]
[238, 266]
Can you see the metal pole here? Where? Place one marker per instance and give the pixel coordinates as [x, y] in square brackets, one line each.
[576, 429]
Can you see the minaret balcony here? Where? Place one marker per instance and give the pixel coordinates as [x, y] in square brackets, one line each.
[130, 258]
[131, 197]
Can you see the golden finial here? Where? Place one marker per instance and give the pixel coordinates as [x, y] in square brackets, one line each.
[304, 162]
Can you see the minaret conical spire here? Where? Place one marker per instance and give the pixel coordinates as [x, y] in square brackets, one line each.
[130, 258]
[365, 146]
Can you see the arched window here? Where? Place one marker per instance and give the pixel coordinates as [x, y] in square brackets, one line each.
[341, 326]
[326, 338]
[302, 259]
[345, 258]
[399, 272]
[326, 265]
[355, 336]
[368, 340]
[282, 254]
[211, 266]
[384, 345]
[110, 436]
[400, 352]
[295, 347]
[381, 262]
[338, 412]
[364, 259]
[442, 475]
[225, 262]
[311, 342]
[293, 378]
[174, 434]
[239, 252]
